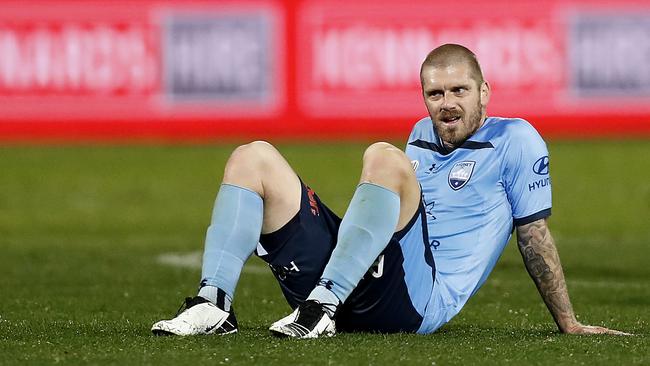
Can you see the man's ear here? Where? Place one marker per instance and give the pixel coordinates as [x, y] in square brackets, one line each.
[485, 94]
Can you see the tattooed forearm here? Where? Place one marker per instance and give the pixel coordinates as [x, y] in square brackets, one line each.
[543, 264]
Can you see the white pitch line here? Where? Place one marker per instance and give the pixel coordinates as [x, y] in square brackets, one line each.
[193, 260]
[187, 260]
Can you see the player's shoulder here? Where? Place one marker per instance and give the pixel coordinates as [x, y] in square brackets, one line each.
[423, 124]
[422, 129]
[516, 130]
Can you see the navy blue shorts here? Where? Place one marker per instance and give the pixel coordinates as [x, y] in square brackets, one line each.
[298, 252]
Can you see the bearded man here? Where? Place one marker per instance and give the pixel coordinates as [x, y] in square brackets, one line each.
[424, 228]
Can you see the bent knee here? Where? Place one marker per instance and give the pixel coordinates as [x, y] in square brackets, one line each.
[380, 148]
[385, 154]
[249, 159]
[252, 154]
[252, 150]
[384, 158]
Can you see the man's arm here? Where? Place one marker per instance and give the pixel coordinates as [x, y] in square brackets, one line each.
[542, 261]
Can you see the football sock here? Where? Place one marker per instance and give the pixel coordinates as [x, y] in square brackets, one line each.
[231, 238]
[216, 296]
[366, 229]
[326, 298]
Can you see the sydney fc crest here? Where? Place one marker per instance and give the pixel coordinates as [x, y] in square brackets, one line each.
[460, 174]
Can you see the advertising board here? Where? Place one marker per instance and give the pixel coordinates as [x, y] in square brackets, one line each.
[327, 69]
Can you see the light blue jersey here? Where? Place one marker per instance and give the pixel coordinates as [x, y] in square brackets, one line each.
[473, 196]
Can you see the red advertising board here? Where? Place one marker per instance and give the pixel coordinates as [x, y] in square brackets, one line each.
[355, 63]
[97, 70]
[106, 61]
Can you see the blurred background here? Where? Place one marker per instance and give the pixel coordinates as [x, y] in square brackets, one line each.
[117, 117]
[223, 70]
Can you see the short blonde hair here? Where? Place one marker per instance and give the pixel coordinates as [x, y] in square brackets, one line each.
[449, 54]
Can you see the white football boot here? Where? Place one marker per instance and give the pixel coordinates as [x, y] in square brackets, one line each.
[309, 320]
[198, 316]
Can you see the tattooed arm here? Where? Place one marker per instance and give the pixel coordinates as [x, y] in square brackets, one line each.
[542, 261]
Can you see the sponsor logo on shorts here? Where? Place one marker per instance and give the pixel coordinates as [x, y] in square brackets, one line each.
[312, 202]
[282, 271]
[460, 174]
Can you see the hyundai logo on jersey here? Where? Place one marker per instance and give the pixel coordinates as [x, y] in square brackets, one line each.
[541, 166]
[460, 173]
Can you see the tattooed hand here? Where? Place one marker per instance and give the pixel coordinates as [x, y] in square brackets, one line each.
[543, 264]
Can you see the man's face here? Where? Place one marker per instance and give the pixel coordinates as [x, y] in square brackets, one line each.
[455, 101]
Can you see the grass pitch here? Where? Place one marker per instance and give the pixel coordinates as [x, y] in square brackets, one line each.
[83, 229]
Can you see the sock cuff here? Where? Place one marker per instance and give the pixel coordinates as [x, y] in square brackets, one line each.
[372, 186]
[223, 300]
[326, 297]
[229, 186]
[216, 296]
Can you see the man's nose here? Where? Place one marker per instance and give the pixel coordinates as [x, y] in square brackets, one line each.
[448, 102]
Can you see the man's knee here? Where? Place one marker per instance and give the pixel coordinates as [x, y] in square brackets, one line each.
[388, 166]
[249, 159]
[383, 159]
[251, 152]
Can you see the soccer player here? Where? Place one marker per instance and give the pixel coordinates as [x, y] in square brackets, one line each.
[421, 234]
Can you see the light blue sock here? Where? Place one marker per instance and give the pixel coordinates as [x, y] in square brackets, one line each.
[232, 236]
[366, 229]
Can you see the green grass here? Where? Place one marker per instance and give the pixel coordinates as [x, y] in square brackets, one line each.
[81, 228]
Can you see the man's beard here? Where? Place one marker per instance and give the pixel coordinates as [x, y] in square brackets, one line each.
[458, 134]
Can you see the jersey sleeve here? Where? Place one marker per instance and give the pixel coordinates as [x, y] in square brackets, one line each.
[417, 133]
[411, 137]
[526, 175]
